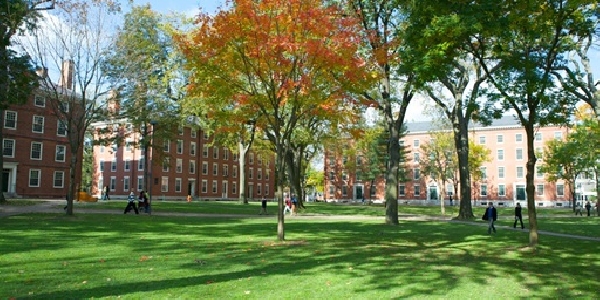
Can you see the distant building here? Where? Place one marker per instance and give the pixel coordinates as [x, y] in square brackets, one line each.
[503, 178]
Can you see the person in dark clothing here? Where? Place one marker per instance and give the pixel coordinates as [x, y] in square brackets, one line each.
[106, 193]
[451, 200]
[263, 206]
[588, 206]
[518, 216]
[492, 215]
[143, 201]
[131, 204]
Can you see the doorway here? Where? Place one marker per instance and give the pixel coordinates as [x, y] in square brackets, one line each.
[520, 192]
[191, 190]
[358, 193]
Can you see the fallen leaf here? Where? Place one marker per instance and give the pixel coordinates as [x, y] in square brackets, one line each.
[209, 282]
[102, 260]
[143, 258]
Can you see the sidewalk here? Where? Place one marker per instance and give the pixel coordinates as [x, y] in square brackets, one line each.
[56, 207]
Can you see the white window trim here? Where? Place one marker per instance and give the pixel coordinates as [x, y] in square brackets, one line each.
[39, 180]
[33, 124]
[41, 151]
[64, 153]
[62, 182]
[6, 118]
[14, 146]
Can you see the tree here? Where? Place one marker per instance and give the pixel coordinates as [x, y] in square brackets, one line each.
[438, 161]
[18, 79]
[73, 40]
[144, 70]
[281, 61]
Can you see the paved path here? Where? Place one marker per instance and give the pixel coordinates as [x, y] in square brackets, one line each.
[56, 207]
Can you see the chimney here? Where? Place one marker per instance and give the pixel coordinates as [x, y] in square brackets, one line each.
[41, 72]
[67, 74]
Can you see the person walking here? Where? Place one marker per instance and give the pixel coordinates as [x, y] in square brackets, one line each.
[106, 193]
[294, 204]
[492, 215]
[518, 216]
[288, 206]
[578, 209]
[263, 205]
[588, 207]
[143, 201]
[451, 200]
[131, 204]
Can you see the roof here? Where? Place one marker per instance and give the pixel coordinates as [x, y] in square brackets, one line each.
[427, 126]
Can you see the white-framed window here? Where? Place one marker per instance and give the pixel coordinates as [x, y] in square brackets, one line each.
[225, 170]
[235, 172]
[192, 166]
[225, 153]
[483, 172]
[519, 172]
[205, 135]
[36, 150]
[500, 138]
[250, 173]
[164, 184]
[101, 164]
[193, 148]
[538, 136]
[539, 189]
[417, 190]
[165, 165]
[128, 145]
[259, 174]
[39, 101]
[113, 183]
[178, 165]
[401, 190]
[167, 146]
[214, 187]
[344, 190]
[127, 165]
[128, 127]
[126, 183]
[215, 152]
[344, 175]
[179, 146]
[193, 133]
[178, 185]
[10, 119]
[268, 174]
[61, 151]
[61, 128]
[484, 191]
[215, 169]
[502, 190]
[180, 130]
[141, 163]
[259, 159]
[8, 148]
[518, 137]
[482, 140]
[266, 189]
[560, 190]
[251, 158]
[416, 143]
[519, 153]
[204, 168]
[416, 157]
[235, 157]
[113, 165]
[501, 173]
[35, 176]
[539, 153]
[204, 187]
[205, 151]
[234, 188]
[332, 161]
[58, 179]
[140, 183]
[101, 148]
[63, 106]
[37, 124]
[500, 154]
[259, 189]
[416, 174]
[538, 172]
[558, 135]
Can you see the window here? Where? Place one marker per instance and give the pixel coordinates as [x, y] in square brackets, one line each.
[520, 172]
[127, 165]
[214, 187]
[251, 158]
[36, 150]
[164, 184]
[102, 149]
[205, 135]
[501, 173]
[500, 154]
[58, 180]
[538, 172]
[225, 153]
[539, 189]
[204, 188]
[140, 183]
[266, 189]
[558, 135]
[38, 124]
[225, 170]
[499, 138]
[61, 128]
[416, 174]
[129, 127]
[180, 130]
[259, 189]
[113, 165]
[259, 159]
[167, 146]
[113, 183]
[193, 133]
[483, 191]
[179, 146]
[165, 166]
[234, 188]
[215, 168]
[126, 184]
[416, 143]
[192, 168]
[101, 163]
[344, 190]
[560, 190]
[251, 173]
[502, 190]
[141, 163]
[268, 174]
[332, 161]
[34, 177]
[483, 171]
[204, 168]
[8, 149]
[128, 146]
[235, 172]
[417, 190]
[402, 190]
[215, 152]
[331, 190]
[205, 151]
[178, 185]
[10, 119]
[259, 174]
[60, 153]
[519, 153]
[416, 157]
[178, 165]
[344, 176]
[331, 176]
[518, 137]
[538, 136]
[39, 101]
[235, 156]
[482, 140]
[193, 148]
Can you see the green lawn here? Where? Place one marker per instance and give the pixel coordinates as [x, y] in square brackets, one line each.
[48, 256]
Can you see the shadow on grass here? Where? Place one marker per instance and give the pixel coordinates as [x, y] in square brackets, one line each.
[413, 259]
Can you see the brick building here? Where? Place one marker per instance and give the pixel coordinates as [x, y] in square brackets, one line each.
[502, 181]
[36, 149]
[189, 164]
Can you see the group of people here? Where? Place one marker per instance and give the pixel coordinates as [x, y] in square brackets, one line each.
[588, 207]
[491, 215]
[142, 202]
[290, 205]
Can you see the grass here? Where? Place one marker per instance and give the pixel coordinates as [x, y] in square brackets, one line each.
[47, 256]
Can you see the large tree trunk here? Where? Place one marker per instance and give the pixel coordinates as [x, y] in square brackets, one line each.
[530, 188]
[279, 176]
[461, 141]
[242, 166]
[2, 199]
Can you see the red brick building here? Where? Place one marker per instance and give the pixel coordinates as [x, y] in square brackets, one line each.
[189, 164]
[503, 178]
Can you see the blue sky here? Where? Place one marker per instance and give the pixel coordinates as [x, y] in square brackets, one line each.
[165, 6]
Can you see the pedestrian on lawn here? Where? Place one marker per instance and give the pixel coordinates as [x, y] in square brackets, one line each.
[518, 216]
